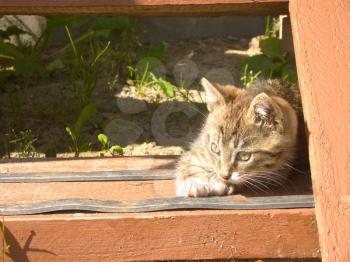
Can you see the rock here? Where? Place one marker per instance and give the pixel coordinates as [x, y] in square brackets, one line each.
[128, 103]
[122, 132]
[221, 76]
[185, 72]
[33, 24]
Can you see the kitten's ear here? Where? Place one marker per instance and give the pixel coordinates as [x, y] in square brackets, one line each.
[264, 111]
[216, 94]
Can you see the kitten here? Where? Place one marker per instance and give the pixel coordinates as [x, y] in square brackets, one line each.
[248, 138]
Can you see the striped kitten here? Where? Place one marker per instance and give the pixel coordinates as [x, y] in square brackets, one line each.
[248, 138]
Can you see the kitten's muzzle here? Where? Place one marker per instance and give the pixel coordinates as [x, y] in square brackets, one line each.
[225, 171]
[225, 176]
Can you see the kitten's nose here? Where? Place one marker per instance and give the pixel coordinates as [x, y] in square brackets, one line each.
[225, 170]
[225, 174]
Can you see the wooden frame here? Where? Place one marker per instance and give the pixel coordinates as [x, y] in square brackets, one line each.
[321, 42]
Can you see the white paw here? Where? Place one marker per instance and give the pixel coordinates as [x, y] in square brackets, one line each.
[195, 187]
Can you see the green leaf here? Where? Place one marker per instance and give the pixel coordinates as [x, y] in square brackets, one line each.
[71, 133]
[116, 150]
[53, 22]
[51, 153]
[148, 64]
[167, 88]
[26, 65]
[271, 47]
[101, 53]
[103, 139]
[85, 147]
[11, 31]
[260, 63]
[72, 44]
[10, 50]
[110, 22]
[289, 74]
[130, 82]
[85, 114]
[157, 51]
[102, 33]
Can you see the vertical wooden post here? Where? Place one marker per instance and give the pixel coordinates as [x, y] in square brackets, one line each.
[321, 31]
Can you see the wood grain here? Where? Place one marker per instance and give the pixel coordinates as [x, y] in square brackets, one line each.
[321, 38]
[178, 235]
[144, 7]
[86, 164]
[122, 175]
[160, 204]
[94, 187]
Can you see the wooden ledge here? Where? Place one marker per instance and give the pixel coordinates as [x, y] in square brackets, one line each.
[175, 235]
[65, 188]
[145, 7]
[122, 184]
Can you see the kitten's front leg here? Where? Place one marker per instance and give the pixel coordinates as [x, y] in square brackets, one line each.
[194, 186]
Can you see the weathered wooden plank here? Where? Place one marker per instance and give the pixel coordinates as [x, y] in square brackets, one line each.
[86, 164]
[105, 190]
[321, 38]
[161, 204]
[12, 193]
[172, 235]
[122, 175]
[144, 7]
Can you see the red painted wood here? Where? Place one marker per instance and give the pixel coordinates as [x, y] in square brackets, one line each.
[321, 39]
[145, 236]
[178, 235]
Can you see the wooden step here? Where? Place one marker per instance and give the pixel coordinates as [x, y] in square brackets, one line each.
[144, 7]
[115, 218]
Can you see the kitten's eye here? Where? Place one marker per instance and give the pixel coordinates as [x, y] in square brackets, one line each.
[244, 156]
[214, 148]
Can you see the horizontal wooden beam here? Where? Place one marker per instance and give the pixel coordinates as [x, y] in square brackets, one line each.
[101, 179]
[236, 202]
[144, 7]
[86, 164]
[175, 235]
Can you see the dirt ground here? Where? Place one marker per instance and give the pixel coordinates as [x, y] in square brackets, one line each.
[148, 124]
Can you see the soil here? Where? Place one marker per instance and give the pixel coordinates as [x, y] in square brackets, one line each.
[143, 123]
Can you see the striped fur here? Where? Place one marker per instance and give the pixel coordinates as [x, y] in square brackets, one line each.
[259, 124]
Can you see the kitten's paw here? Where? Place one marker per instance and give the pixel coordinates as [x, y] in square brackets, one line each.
[195, 187]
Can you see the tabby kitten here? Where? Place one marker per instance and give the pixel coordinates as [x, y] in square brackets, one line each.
[248, 138]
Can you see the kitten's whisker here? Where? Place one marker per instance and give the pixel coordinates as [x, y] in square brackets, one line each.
[262, 184]
[295, 169]
[198, 111]
[250, 182]
[250, 186]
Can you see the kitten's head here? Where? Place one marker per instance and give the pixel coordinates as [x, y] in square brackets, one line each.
[249, 134]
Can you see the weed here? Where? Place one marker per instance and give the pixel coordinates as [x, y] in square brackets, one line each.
[124, 53]
[249, 77]
[107, 148]
[18, 60]
[273, 62]
[84, 71]
[144, 79]
[75, 131]
[22, 142]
